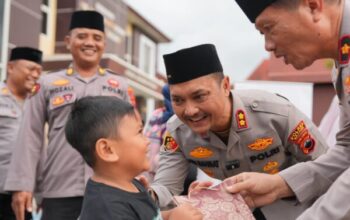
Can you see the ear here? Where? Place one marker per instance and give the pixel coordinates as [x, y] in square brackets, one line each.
[315, 7]
[67, 41]
[226, 85]
[10, 66]
[106, 151]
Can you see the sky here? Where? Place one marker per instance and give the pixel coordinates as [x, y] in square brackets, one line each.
[192, 22]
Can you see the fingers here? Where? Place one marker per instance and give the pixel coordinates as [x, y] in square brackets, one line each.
[143, 180]
[28, 203]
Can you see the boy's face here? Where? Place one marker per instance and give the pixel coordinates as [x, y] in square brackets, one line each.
[132, 145]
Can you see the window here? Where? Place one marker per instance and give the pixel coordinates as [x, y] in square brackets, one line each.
[4, 32]
[45, 16]
[147, 55]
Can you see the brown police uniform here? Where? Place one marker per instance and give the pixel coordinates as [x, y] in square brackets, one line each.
[267, 134]
[64, 171]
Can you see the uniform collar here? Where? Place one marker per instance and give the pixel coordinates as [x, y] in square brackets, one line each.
[70, 71]
[344, 40]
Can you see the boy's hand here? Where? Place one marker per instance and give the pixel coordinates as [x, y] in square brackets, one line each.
[21, 201]
[185, 212]
[143, 180]
[196, 186]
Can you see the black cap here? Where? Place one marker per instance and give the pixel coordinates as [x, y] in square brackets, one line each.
[253, 8]
[191, 63]
[26, 53]
[87, 19]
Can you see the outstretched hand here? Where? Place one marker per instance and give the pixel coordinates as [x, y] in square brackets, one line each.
[258, 189]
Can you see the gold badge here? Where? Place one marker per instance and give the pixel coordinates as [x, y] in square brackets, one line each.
[201, 152]
[69, 71]
[101, 71]
[261, 144]
[4, 91]
[61, 82]
[170, 144]
[58, 100]
[271, 167]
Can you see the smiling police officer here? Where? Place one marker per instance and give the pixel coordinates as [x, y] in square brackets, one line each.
[64, 173]
[227, 132]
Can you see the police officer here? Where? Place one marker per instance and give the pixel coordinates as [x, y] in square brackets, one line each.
[318, 29]
[23, 69]
[64, 172]
[225, 133]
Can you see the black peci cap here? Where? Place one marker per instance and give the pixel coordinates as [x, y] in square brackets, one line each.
[26, 53]
[253, 8]
[191, 63]
[87, 19]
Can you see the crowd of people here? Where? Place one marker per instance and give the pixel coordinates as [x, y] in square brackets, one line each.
[101, 163]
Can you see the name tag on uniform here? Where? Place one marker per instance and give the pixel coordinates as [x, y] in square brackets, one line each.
[233, 164]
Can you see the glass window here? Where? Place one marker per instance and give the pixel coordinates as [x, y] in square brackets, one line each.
[44, 14]
[147, 55]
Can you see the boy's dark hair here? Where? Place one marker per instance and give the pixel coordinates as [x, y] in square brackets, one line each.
[93, 118]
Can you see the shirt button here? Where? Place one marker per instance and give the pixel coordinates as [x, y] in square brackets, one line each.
[255, 105]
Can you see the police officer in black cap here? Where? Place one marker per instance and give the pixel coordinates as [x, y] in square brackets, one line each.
[302, 32]
[64, 173]
[227, 132]
[23, 69]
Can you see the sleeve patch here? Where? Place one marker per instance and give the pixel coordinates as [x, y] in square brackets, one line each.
[301, 137]
[169, 143]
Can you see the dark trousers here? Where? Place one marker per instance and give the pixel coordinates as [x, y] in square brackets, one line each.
[6, 212]
[61, 208]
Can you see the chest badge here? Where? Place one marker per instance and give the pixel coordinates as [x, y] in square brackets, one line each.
[261, 144]
[58, 100]
[271, 167]
[61, 82]
[113, 83]
[5, 91]
[201, 152]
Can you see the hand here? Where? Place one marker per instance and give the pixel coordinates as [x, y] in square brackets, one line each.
[143, 180]
[185, 212]
[258, 189]
[21, 201]
[196, 186]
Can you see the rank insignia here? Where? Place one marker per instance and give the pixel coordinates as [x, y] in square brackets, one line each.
[170, 144]
[241, 119]
[347, 84]
[61, 82]
[261, 144]
[201, 152]
[101, 71]
[35, 89]
[113, 83]
[344, 49]
[300, 136]
[271, 167]
[69, 71]
[5, 91]
[58, 100]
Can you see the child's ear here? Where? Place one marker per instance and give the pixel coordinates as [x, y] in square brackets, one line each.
[105, 151]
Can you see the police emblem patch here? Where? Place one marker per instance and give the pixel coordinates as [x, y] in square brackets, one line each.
[201, 152]
[61, 82]
[301, 137]
[113, 83]
[271, 167]
[261, 144]
[58, 100]
[35, 89]
[170, 144]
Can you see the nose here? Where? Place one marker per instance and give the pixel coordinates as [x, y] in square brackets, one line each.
[190, 110]
[269, 45]
[89, 41]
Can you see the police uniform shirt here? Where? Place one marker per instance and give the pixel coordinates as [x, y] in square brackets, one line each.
[317, 176]
[64, 171]
[267, 135]
[10, 114]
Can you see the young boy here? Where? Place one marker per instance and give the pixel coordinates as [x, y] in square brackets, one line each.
[108, 134]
